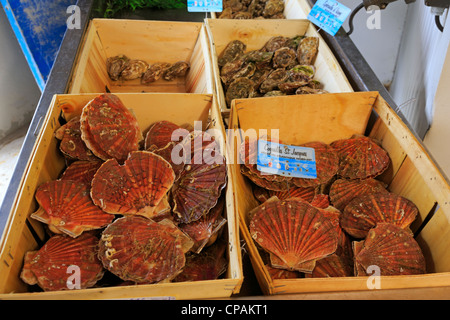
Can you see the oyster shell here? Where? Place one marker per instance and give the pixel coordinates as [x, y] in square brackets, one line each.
[135, 188]
[238, 89]
[232, 51]
[154, 72]
[134, 69]
[115, 66]
[275, 43]
[295, 233]
[273, 7]
[109, 129]
[342, 191]
[66, 206]
[390, 248]
[141, 250]
[283, 57]
[273, 80]
[49, 266]
[360, 157]
[71, 145]
[260, 58]
[366, 211]
[307, 50]
[82, 171]
[178, 69]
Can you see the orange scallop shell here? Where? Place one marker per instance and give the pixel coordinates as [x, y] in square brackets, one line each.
[82, 171]
[365, 212]
[360, 157]
[342, 191]
[109, 129]
[294, 233]
[160, 134]
[390, 248]
[143, 251]
[66, 206]
[137, 187]
[54, 264]
[262, 194]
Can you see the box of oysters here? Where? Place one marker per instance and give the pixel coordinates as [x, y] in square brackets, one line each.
[264, 57]
[125, 196]
[330, 202]
[119, 55]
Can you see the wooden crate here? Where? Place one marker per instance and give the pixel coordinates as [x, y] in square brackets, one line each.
[412, 174]
[23, 233]
[151, 41]
[255, 33]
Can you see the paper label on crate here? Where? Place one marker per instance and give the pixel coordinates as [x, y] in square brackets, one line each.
[286, 160]
[329, 15]
[205, 6]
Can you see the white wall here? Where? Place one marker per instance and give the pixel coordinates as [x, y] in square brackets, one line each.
[19, 93]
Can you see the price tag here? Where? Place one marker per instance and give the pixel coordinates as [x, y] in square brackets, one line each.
[329, 15]
[285, 160]
[204, 6]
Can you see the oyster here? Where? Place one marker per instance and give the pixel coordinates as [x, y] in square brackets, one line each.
[141, 250]
[307, 50]
[360, 157]
[309, 90]
[232, 51]
[81, 170]
[137, 187]
[66, 206]
[230, 69]
[366, 211]
[72, 146]
[283, 57]
[273, 7]
[154, 72]
[238, 89]
[342, 191]
[115, 66]
[178, 69]
[275, 43]
[390, 248]
[134, 69]
[242, 15]
[226, 13]
[260, 58]
[109, 129]
[49, 267]
[273, 80]
[295, 233]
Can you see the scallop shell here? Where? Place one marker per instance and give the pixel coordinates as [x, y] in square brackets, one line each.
[276, 273]
[202, 179]
[295, 233]
[390, 248]
[365, 212]
[109, 129]
[262, 194]
[160, 134]
[360, 157]
[72, 146]
[52, 266]
[342, 191]
[332, 266]
[67, 207]
[141, 250]
[136, 187]
[307, 50]
[82, 171]
[205, 230]
[327, 165]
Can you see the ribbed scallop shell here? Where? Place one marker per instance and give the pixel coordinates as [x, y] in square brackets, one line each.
[141, 250]
[342, 191]
[360, 157]
[295, 234]
[67, 207]
[54, 264]
[263, 194]
[136, 187]
[202, 179]
[276, 273]
[109, 129]
[82, 171]
[332, 266]
[365, 212]
[327, 165]
[160, 134]
[392, 249]
[71, 145]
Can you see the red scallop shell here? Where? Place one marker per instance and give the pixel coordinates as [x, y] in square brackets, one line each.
[169, 152]
[295, 233]
[342, 191]
[67, 207]
[262, 182]
[327, 165]
[205, 230]
[392, 249]
[365, 212]
[55, 263]
[360, 157]
[262, 194]
[109, 129]
[202, 179]
[276, 273]
[321, 201]
[144, 251]
[160, 134]
[82, 171]
[71, 145]
[332, 266]
[136, 187]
